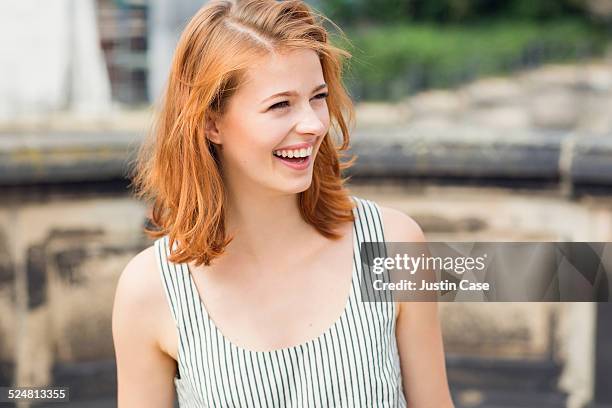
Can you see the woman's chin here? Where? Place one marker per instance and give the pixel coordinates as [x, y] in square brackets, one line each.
[295, 188]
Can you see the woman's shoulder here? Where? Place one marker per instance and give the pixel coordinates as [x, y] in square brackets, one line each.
[139, 295]
[398, 226]
[138, 278]
[142, 329]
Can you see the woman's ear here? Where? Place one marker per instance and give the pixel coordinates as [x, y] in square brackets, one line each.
[212, 129]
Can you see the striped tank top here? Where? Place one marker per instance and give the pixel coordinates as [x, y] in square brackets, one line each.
[354, 363]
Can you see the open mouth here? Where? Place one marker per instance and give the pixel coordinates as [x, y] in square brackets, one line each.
[296, 156]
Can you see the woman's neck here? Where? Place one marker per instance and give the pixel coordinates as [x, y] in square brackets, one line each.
[264, 224]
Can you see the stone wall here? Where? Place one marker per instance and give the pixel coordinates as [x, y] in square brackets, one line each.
[63, 256]
[63, 253]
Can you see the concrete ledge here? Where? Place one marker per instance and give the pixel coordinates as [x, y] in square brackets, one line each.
[65, 157]
[406, 152]
[517, 375]
[465, 152]
[592, 161]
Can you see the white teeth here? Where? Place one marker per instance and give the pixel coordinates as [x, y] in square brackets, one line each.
[294, 153]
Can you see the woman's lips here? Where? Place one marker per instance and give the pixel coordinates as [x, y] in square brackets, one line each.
[304, 145]
[296, 163]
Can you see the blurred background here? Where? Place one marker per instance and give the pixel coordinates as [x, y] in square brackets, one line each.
[484, 120]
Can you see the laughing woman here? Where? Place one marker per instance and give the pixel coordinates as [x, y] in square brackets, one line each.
[250, 295]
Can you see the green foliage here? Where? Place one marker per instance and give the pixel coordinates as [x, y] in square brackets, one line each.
[392, 60]
[355, 11]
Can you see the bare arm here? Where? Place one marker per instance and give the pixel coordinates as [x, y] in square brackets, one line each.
[418, 333]
[144, 372]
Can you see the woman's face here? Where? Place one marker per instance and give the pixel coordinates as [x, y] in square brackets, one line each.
[270, 140]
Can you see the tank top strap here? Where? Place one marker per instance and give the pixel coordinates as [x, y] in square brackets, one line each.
[175, 281]
[368, 221]
[183, 299]
[369, 229]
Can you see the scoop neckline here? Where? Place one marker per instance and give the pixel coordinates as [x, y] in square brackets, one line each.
[302, 344]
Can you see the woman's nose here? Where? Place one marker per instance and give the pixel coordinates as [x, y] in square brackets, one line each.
[311, 121]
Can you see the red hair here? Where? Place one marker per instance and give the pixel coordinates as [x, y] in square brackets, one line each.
[177, 169]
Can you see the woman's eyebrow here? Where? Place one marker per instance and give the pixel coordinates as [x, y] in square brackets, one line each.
[290, 93]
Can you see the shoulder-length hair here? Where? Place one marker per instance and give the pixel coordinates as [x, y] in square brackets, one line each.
[177, 170]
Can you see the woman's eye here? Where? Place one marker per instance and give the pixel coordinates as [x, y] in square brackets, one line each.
[282, 104]
[285, 104]
[322, 95]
